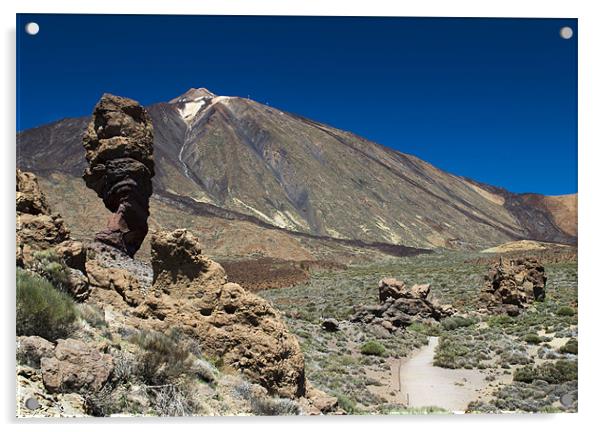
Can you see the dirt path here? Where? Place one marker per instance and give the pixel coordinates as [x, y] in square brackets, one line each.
[422, 384]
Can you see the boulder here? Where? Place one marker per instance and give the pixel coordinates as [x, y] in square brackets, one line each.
[30, 349]
[73, 253]
[512, 285]
[74, 366]
[119, 152]
[330, 325]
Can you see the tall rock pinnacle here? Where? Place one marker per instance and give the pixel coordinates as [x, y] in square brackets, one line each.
[119, 151]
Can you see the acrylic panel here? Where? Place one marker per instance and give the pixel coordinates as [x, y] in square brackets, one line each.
[285, 215]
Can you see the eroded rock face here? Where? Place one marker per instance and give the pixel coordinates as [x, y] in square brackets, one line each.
[37, 227]
[119, 151]
[190, 291]
[75, 365]
[400, 306]
[30, 198]
[511, 285]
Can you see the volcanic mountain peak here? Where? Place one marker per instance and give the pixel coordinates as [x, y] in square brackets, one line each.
[191, 102]
[193, 94]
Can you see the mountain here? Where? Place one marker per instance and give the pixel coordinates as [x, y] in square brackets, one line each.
[236, 158]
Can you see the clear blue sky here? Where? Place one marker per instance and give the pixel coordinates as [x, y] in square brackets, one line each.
[491, 99]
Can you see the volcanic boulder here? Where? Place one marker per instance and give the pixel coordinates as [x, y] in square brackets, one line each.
[400, 306]
[119, 151]
[511, 285]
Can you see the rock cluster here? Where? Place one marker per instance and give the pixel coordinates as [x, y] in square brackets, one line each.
[68, 366]
[512, 284]
[400, 306]
[119, 151]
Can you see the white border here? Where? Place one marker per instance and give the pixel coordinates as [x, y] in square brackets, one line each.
[590, 166]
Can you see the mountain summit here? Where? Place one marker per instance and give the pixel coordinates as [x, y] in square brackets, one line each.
[298, 175]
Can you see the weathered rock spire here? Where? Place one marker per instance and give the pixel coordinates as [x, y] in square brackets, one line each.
[119, 151]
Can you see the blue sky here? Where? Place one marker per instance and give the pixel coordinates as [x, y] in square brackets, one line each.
[491, 99]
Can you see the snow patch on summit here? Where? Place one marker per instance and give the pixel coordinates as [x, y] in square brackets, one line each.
[190, 108]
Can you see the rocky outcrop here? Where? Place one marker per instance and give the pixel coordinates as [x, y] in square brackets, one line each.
[191, 292]
[119, 152]
[400, 306]
[512, 284]
[75, 366]
[37, 227]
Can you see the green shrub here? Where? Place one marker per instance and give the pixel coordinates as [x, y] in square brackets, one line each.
[570, 347]
[42, 310]
[346, 403]
[557, 372]
[373, 348]
[565, 311]
[425, 329]
[532, 339]
[455, 322]
[48, 264]
[500, 320]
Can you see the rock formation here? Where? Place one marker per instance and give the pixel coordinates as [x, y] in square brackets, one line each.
[400, 306]
[242, 329]
[511, 285]
[37, 227]
[119, 152]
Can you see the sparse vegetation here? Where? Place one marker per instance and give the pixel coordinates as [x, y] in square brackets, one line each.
[42, 310]
[557, 372]
[494, 344]
[566, 311]
[570, 347]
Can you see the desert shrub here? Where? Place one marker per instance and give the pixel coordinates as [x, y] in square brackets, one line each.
[532, 339]
[565, 311]
[552, 372]
[172, 401]
[163, 359]
[570, 347]
[274, 407]
[373, 348]
[500, 320]
[48, 264]
[427, 329]
[42, 310]
[346, 403]
[93, 315]
[261, 404]
[449, 352]
[455, 322]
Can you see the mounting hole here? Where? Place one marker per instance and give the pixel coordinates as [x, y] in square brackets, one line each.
[32, 28]
[566, 32]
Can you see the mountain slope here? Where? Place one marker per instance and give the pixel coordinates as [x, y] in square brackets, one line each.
[300, 175]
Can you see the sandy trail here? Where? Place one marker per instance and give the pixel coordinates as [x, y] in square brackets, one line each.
[422, 384]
